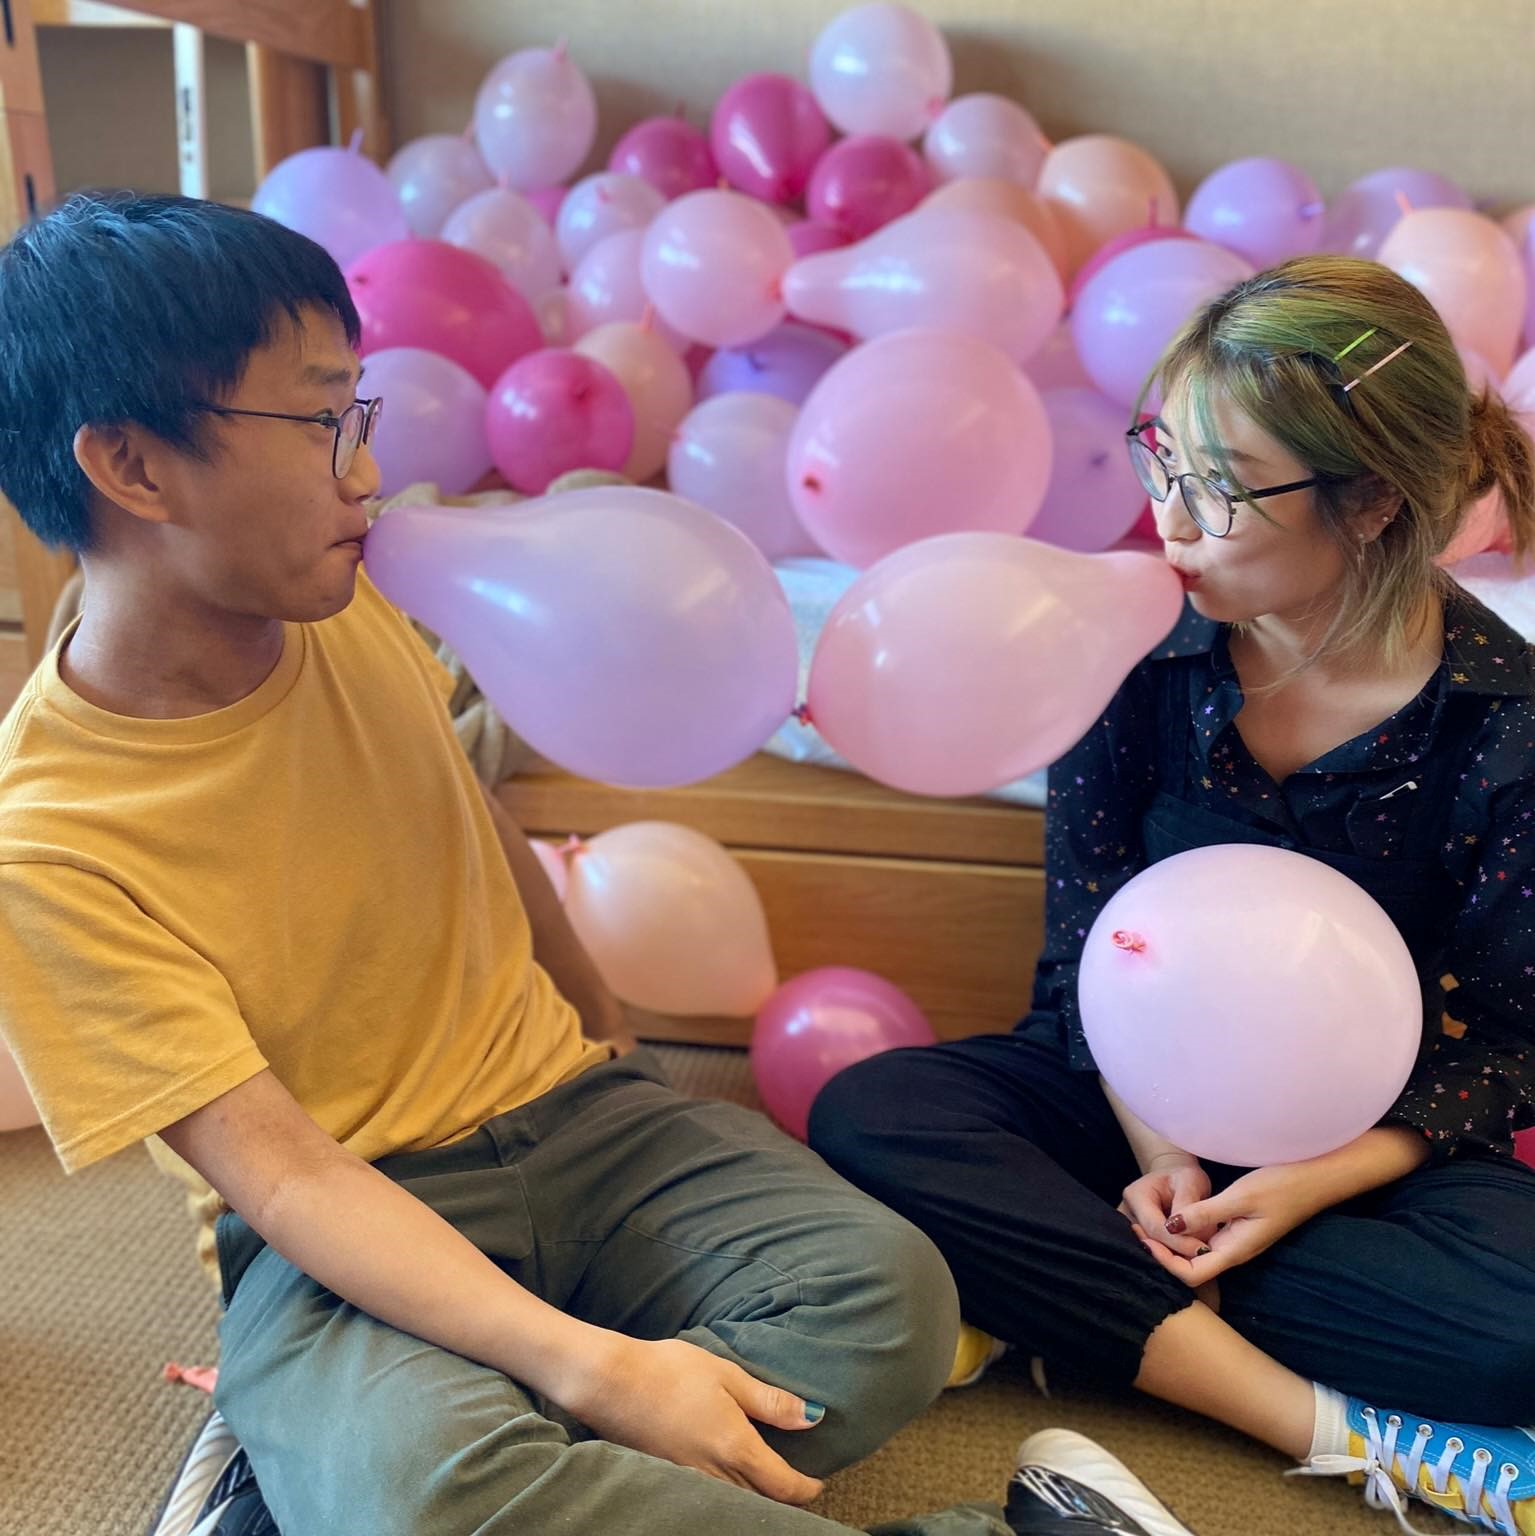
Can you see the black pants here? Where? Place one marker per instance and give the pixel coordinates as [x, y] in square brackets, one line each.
[1419, 1297]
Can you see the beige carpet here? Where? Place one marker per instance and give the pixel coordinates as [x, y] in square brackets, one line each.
[99, 1289]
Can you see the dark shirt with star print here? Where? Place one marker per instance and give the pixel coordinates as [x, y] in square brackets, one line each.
[1474, 1086]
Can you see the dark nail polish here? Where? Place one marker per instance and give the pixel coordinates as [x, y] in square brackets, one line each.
[1175, 1224]
[1203, 1250]
[814, 1413]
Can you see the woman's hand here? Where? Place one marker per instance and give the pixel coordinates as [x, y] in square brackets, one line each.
[1172, 1183]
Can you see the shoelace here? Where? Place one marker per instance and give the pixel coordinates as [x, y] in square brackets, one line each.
[1383, 1455]
[1065, 1496]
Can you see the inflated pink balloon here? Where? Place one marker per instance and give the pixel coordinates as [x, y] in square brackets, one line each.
[861, 184]
[767, 134]
[554, 411]
[1056, 364]
[1095, 497]
[713, 265]
[1100, 187]
[1483, 527]
[429, 294]
[972, 272]
[985, 135]
[554, 318]
[1284, 1041]
[602, 205]
[881, 68]
[1266, 210]
[608, 285]
[433, 175]
[509, 232]
[961, 663]
[434, 428]
[548, 201]
[17, 1111]
[657, 382]
[728, 455]
[625, 634]
[1470, 271]
[552, 860]
[1524, 1148]
[670, 153]
[535, 118]
[788, 362]
[819, 1023]
[987, 194]
[1147, 234]
[337, 197]
[809, 238]
[671, 921]
[1519, 388]
[1367, 210]
[916, 434]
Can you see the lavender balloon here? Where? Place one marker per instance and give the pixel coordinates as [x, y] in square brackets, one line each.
[787, 362]
[1094, 496]
[627, 635]
[535, 118]
[1361, 217]
[433, 175]
[603, 205]
[434, 426]
[1265, 210]
[337, 197]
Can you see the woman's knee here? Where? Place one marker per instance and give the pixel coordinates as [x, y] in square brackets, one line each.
[855, 1114]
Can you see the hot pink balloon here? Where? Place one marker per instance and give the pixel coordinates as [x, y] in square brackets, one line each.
[337, 197]
[728, 455]
[1367, 210]
[861, 184]
[433, 175]
[809, 238]
[608, 285]
[973, 272]
[916, 434]
[657, 382]
[510, 233]
[433, 428]
[1095, 497]
[713, 266]
[881, 68]
[428, 294]
[767, 134]
[671, 921]
[1264, 209]
[17, 1111]
[1470, 271]
[1524, 1147]
[788, 362]
[1286, 1040]
[552, 861]
[668, 152]
[625, 634]
[985, 135]
[554, 411]
[535, 118]
[959, 664]
[603, 205]
[1129, 311]
[1101, 186]
[1145, 235]
[819, 1023]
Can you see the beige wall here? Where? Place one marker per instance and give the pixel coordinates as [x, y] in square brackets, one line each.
[1339, 86]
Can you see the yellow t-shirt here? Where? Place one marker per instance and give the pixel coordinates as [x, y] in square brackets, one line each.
[307, 880]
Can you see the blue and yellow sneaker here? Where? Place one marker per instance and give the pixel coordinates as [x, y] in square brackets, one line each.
[1472, 1472]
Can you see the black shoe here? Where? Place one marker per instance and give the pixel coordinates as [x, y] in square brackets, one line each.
[1066, 1485]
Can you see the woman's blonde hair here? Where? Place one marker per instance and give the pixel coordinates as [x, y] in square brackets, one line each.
[1411, 439]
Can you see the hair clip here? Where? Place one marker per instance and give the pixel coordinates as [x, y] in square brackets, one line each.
[1381, 364]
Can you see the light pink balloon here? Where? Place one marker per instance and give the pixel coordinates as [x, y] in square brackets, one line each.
[916, 434]
[17, 1111]
[510, 233]
[657, 382]
[603, 205]
[1519, 385]
[987, 194]
[552, 860]
[671, 921]
[1483, 526]
[554, 317]
[713, 266]
[433, 428]
[1470, 271]
[608, 285]
[1284, 1041]
[668, 152]
[625, 634]
[1056, 364]
[1147, 234]
[1095, 497]
[959, 664]
[819, 1023]
[433, 175]
[859, 185]
[535, 118]
[985, 135]
[1100, 187]
[972, 272]
[729, 455]
[548, 201]
[881, 68]
[337, 197]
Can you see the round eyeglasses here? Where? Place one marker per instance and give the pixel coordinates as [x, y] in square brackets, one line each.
[353, 427]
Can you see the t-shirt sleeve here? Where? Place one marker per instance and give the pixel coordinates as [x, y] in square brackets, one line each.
[120, 1028]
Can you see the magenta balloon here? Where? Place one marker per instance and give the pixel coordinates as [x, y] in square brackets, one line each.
[788, 362]
[535, 118]
[861, 184]
[1265, 210]
[767, 134]
[1286, 1040]
[809, 238]
[625, 634]
[1112, 248]
[1367, 210]
[554, 411]
[339, 198]
[917, 434]
[959, 664]
[819, 1023]
[433, 427]
[433, 175]
[429, 294]
[1126, 316]
[1095, 496]
[668, 152]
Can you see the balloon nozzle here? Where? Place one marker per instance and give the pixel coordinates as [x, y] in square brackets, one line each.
[1131, 942]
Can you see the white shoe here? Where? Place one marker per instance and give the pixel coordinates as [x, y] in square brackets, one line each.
[1067, 1485]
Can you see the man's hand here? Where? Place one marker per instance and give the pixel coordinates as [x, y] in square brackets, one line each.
[672, 1399]
[1171, 1184]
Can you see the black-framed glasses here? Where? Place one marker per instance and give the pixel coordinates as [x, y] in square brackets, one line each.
[353, 427]
[1207, 501]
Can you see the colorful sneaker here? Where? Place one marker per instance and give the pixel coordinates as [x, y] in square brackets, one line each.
[1066, 1485]
[1479, 1475]
[974, 1355]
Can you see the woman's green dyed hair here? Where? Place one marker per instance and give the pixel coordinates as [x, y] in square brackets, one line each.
[1411, 439]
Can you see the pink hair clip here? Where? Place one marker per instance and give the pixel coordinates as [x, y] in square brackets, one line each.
[1365, 336]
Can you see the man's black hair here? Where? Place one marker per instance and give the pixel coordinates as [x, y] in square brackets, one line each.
[120, 308]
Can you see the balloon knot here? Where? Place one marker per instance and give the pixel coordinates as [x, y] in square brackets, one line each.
[811, 483]
[802, 714]
[1132, 942]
